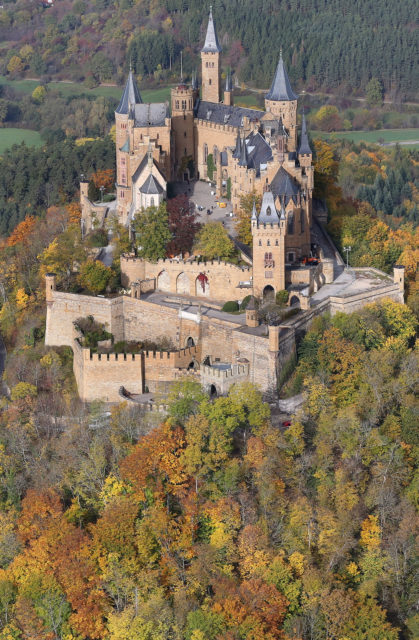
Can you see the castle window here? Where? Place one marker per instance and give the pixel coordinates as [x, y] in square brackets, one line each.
[205, 152]
[206, 64]
[157, 136]
[260, 243]
[185, 151]
[302, 221]
[184, 134]
[268, 211]
[268, 243]
[291, 223]
[268, 260]
[183, 104]
[177, 104]
[151, 202]
[276, 243]
[291, 257]
[190, 104]
[210, 81]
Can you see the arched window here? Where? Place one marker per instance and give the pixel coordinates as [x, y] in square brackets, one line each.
[269, 243]
[268, 211]
[210, 81]
[151, 202]
[291, 223]
[177, 104]
[205, 152]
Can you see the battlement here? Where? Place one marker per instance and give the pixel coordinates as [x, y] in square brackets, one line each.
[233, 372]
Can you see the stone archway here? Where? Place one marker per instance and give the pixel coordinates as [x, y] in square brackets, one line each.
[202, 286]
[190, 342]
[163, 281]
[269, 293]
[213, 391]
[183, 284]
[295, 301]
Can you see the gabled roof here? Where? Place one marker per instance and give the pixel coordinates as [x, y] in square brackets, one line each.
[224, 114]
[211, 41]
[268, 213]
[131, 95]
[281, 87]
[151, 115]
[304, 147]
[284, 185]
[258, 150]
[151, 186]
[139, 170]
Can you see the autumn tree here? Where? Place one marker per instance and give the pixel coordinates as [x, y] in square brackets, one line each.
[182, 225]
[214, 242]
[243, 227]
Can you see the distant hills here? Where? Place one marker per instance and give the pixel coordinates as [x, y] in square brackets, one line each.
[327, 44]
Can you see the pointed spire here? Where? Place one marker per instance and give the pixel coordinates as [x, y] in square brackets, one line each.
[238, 149]
[281, 86]
[282, 215]
[243, 162]
[304, 147]
[254, 212]
[268, 213]
[194, 82]
[229, 82]
[211, 41]
[130, 96]
[181, 67]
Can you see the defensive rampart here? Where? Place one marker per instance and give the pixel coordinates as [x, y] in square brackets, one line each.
[215, 279]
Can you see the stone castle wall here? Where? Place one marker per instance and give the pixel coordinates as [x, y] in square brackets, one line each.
[178, 276]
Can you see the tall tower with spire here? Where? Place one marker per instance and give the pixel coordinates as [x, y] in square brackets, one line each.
[281, 101]
[210, 57]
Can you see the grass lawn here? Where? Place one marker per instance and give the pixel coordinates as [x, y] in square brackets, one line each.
[68, 89]
[9, 137]
[388, 135]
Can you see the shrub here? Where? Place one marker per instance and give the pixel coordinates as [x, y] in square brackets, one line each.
[97, 238]
[231, 306]
[244, 303]
[281, 297]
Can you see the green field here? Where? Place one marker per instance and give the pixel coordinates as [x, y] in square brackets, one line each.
[9, 137]
[379, 135]
[69, 89]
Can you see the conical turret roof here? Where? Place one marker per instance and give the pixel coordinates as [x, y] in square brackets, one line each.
[281, 86]
[211, 40]
[229, 82]
[254, 212]
[238, 149]
[268, 213]
[130, 96]
[304, 147]
[244, 158]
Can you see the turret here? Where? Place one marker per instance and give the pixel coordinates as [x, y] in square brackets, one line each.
[281, 101]
[228, 91]
[305, 154]
[252, 315]
[182, 98]
[398, 276]
[50, 286]
[210, 57]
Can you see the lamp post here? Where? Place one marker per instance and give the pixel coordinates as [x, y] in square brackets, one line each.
[101, 189]
[347, 250]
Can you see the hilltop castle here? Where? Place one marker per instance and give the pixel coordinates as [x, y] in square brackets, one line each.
[182, 299]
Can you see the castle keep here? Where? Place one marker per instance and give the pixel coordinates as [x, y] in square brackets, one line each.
[182, 299]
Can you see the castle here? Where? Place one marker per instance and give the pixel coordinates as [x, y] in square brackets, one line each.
[182, 299]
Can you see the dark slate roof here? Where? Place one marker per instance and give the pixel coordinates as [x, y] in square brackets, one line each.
[151, 186]
[131, 95]
[238, 149]
[244, 159]
[284, 185]
[281, 87]
[268, 213]
[258, 151]
[211, 41]
[151, 115]
[223, 114]
[304, 143]
[224, 158]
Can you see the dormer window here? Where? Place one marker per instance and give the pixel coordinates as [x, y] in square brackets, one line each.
[268, 211]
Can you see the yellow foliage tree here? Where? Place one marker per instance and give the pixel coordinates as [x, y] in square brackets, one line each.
[370, 533]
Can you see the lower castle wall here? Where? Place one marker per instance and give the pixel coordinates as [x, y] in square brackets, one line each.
[100, 376]
[349, 303]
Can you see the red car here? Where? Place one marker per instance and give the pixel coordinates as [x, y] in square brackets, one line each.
[287, 423]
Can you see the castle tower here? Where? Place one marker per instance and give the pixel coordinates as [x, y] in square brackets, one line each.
[281, 101]
[182, 98]
[305, 157]
[228, 91]
[210, 57]
[268, 231]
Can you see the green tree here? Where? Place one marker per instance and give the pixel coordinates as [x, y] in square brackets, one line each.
[214, 242]
[95, 276]
[374, 92]
[210, 166]
[39, 93]
[152, 232]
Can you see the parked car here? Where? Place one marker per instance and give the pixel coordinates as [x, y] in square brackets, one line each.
[286, 423]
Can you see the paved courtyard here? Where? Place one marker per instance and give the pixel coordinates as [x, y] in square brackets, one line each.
[200, 193]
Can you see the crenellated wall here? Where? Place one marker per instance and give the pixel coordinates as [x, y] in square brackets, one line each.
[180, 276]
